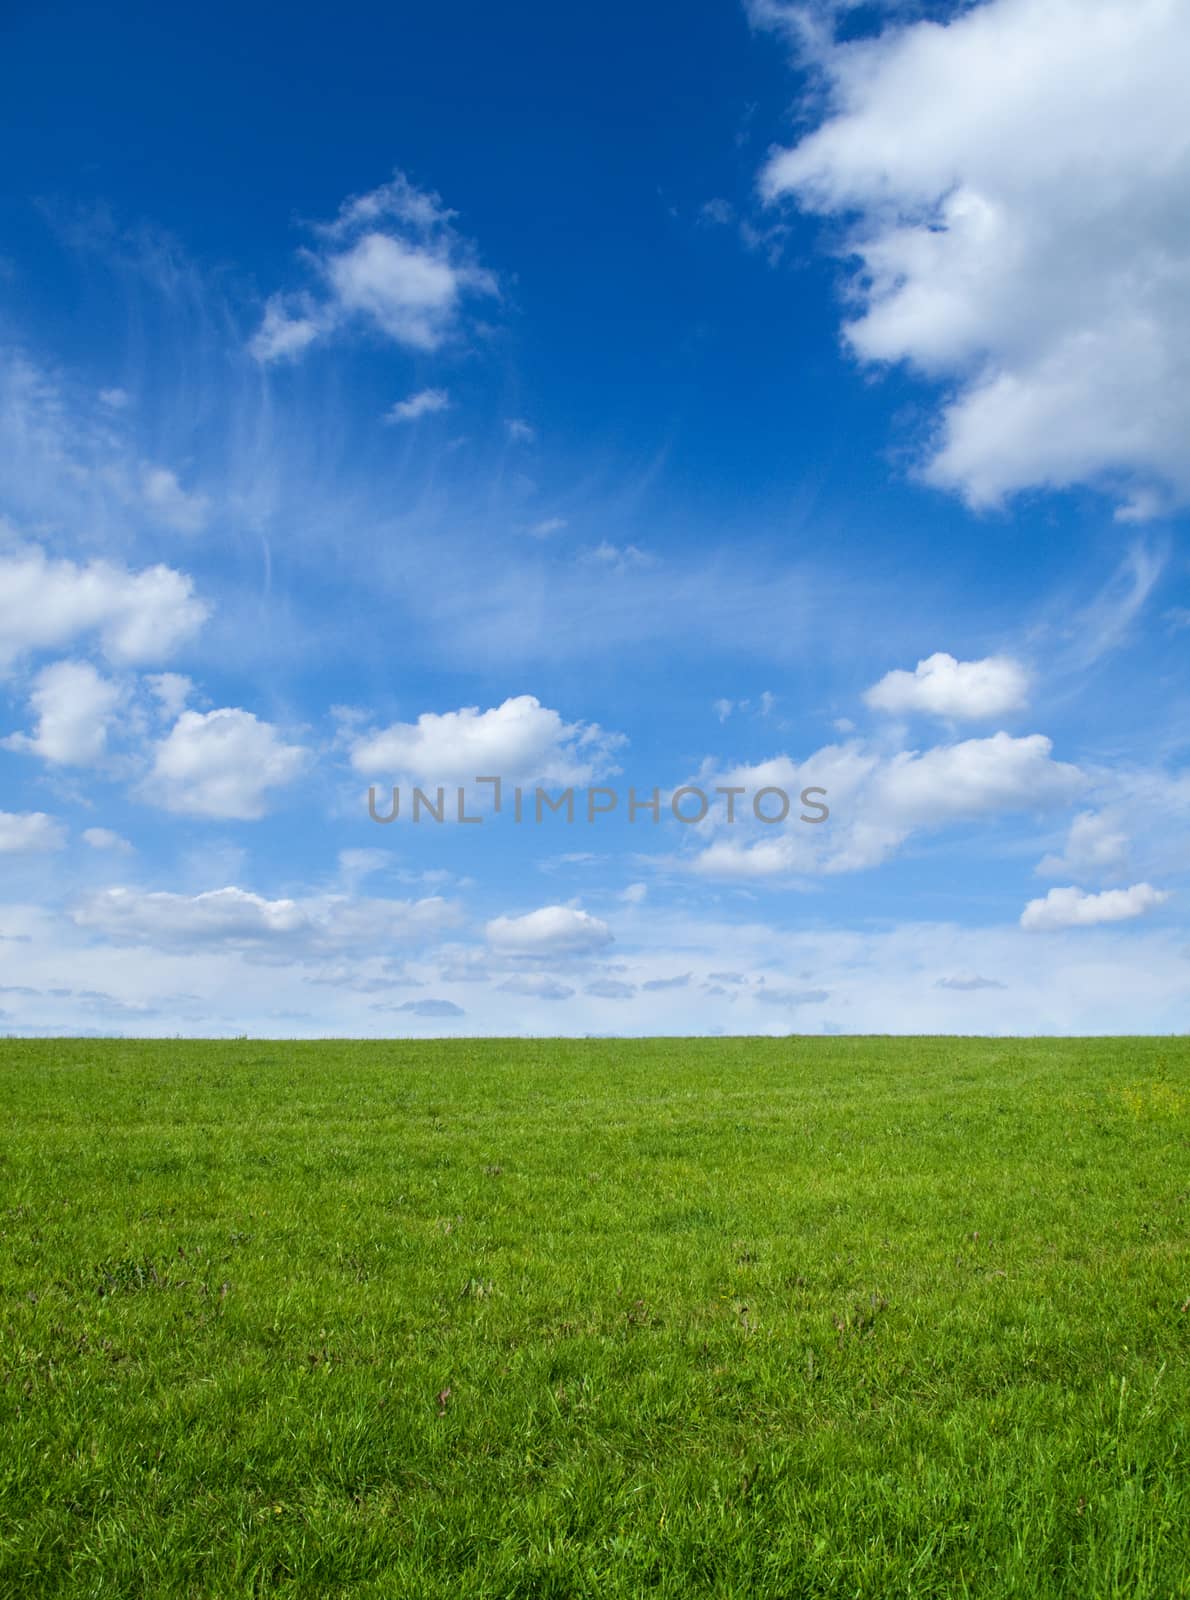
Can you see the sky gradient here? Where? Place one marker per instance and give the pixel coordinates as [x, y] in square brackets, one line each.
[757, 396]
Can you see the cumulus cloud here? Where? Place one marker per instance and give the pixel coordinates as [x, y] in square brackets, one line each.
[1019, 176]
[1095, 846]
[221, 764]
[879, 800]
[169, 503]
[289, 327]
[237, 918]
[974, 778]
[29, 831]
[964, 691]
[74, 706]
[137, 616]
[392, 261]
[422, 404]
[552, 930]
[520, 741]
[1074, 908]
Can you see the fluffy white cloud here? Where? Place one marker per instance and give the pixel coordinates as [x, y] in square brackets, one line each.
[74, 707]
[974, 778]
[22, 831]
[1020, 178]
[138, 616]
[407, 292]
[877, 801]
[553, 930]
[237, 918]
[221, 764]
[520, 741]
[1074, 908]
[169, 503]
[422, 404]
[285, 332]
[962, 690]
[1095, 846]
[392, 260]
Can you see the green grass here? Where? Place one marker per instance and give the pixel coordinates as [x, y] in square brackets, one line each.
[759, 1318]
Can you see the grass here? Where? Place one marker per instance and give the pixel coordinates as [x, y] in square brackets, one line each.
[765, 1318]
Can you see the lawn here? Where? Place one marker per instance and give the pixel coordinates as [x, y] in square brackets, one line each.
[768, 1318]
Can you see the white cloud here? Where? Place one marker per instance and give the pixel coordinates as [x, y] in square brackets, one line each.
[106, 839]
[115, 399]
[238, 918]
[284, 333]
[22, 831]
[138, 616]
[170, 504]
[520, 431]
[553, 930]
[975, 778]
[961, 690]
[408, 293]
[1020, 177]
[547, 526]
[171, 690]
[519, 741]
[393, 261]
[74, 707]
[1095, 846]
[422, 404]
[1073, 908]
[877, 801]
[221, 764]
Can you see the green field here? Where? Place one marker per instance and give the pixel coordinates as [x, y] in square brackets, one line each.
[751, 1317]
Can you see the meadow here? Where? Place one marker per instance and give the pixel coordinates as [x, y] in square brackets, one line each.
[767, 1318]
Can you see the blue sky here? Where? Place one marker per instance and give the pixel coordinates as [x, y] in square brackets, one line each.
[780, 394]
